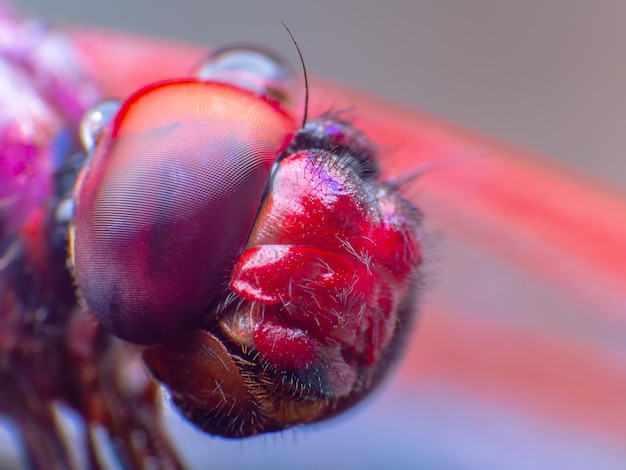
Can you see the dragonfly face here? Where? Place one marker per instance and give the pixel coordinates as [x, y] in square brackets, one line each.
[266, 272]
[270, 271]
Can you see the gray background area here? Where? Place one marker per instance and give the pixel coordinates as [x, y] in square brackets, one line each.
[549, 76]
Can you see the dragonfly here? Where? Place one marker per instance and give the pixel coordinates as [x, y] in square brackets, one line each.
[264, 271]
[465, 199]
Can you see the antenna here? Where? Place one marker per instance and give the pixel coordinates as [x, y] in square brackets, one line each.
[306, 79]
[427, 167]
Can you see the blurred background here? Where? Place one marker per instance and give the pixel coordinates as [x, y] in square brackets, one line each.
[546, 76]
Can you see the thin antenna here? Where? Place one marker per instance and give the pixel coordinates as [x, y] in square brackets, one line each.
[420, 170]
[306, 79]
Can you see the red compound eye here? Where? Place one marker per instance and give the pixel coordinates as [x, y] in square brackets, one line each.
[168, 200]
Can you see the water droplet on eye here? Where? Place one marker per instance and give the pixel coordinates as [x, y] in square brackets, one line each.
[253, 68]
[95, 121]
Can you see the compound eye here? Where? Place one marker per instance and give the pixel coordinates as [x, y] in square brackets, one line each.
[167, 200]
[254, 69]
